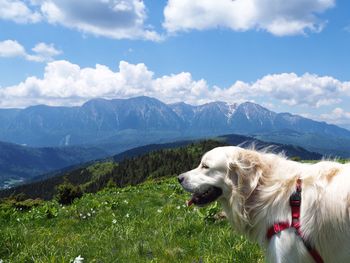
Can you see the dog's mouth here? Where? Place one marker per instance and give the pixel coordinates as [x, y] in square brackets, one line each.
[210, 195]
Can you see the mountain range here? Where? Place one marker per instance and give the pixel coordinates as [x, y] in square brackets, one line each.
[120, 124]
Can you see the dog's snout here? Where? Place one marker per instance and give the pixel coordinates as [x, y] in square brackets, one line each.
[181, 178]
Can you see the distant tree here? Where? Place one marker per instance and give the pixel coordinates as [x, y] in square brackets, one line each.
[67, 192]
[20, 197]
[111, 183]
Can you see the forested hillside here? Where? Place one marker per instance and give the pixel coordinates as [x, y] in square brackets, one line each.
[155, 164]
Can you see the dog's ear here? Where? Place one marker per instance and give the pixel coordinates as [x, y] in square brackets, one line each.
[245, 171]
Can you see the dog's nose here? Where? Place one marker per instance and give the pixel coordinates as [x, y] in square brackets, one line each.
[181, 178]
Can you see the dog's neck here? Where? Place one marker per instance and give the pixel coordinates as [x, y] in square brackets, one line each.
[250, 216]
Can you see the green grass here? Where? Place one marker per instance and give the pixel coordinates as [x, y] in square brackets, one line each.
[144, 223]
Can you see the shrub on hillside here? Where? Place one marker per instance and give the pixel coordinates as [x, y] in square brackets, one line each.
[67, 192]
[28, 204]
[21, 204]
[111, 183]
[19, 197]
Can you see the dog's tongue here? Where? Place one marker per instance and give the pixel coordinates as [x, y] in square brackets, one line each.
[192, 200]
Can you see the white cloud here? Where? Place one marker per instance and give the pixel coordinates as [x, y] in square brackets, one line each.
[11, 48]
[111, 18]
[308, 90]
[337, 116]
[337, 113]
[118, 19]
[126, 19]
[291, 89]
[42, 52]
[18, 11]
[68, 84]
[65, 83]
[278, 17]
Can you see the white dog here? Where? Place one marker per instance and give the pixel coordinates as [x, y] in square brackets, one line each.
[260, 195]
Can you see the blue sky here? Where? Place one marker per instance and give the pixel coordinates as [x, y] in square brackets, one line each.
[290, 56]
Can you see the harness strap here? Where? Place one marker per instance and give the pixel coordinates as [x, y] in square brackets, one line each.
[295, 204]
[277, 228]
[314, 253]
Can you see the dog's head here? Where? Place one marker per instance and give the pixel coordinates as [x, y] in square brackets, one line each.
[222, 173]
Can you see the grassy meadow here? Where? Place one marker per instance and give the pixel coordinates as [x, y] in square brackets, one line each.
[144, 223]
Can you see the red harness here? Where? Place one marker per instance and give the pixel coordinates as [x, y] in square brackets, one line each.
[295, 203]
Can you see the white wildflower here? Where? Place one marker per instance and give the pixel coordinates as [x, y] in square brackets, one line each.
[127, 215]
[78, 259]
[1, 261]
[126, 202]
[159, 210]
[88, 214]
[18, 220]
[114, 222]
[178, 207]
[84, 217]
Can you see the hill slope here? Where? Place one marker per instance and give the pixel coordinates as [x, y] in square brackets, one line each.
[144, 223]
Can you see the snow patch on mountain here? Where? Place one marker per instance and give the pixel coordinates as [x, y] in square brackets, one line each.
[231, 108]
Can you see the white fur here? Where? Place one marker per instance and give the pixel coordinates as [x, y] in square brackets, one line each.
[256, 189]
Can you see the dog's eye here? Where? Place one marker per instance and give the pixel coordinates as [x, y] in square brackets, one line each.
[204, 166]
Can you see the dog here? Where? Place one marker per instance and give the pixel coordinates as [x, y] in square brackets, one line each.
[256, 190]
